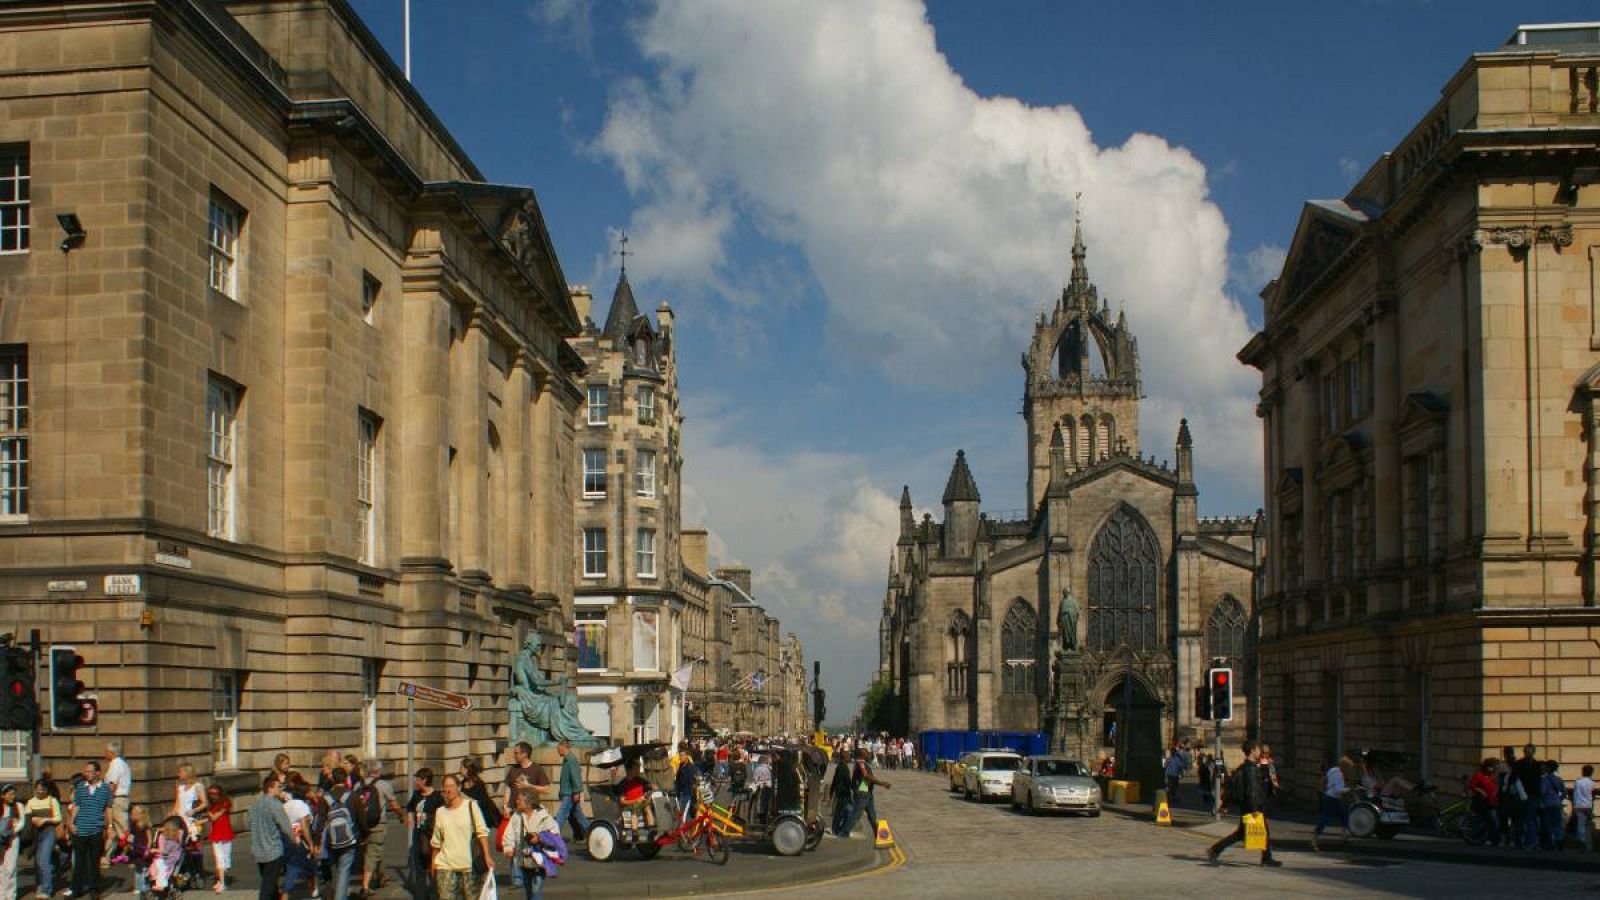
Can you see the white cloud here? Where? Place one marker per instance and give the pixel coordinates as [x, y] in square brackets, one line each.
[1261, 265]
[571, 18]
[933, 219]
[1349, 168]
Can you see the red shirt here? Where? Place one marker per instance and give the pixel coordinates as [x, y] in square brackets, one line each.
[632, 789]
[221, 826]
[1486, 784]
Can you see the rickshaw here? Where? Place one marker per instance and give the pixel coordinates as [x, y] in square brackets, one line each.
[1396, 803]
[614, 825]
[787, 817]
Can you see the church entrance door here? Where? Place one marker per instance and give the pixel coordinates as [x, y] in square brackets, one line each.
[1134, 732]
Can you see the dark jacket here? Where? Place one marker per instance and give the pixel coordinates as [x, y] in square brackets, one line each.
[1248, 781]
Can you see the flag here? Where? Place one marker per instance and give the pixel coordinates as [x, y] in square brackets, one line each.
[681, 676]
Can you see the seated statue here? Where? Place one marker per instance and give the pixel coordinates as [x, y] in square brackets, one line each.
[544, 710]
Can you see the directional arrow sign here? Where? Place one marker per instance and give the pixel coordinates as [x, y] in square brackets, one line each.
[433, 695]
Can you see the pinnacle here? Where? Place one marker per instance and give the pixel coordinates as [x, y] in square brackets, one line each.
[961, 486]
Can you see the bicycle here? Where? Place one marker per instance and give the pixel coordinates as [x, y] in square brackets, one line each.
[1458, 819]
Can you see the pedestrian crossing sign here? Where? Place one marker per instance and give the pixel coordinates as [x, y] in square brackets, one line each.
[885, 836]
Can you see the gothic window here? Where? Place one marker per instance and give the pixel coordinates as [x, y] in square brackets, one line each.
[1017, 638]
[1225, 631]
[1085, 441]
[957, 637]
[1123, 571]
[1102, 438]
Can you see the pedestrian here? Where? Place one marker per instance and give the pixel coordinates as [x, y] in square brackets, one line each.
[524, 773]
[683, 783]
[342, 834]
[219, 833]
[92, 803]
[1174, 773]
[532, 842]
[269, 836]
[570, 790]
[120, 777]
[1528, 773]
[188, 802]
[282, 767]
[44, 814]
[137, 848]
[458, 827]
[1584, 807]
[419, 816]
[1552, 794]
[168, 852]
[1509, 813]
[841, 794]
[1331, 800]
[12, 819]
[1484, 791]
[300, 854]
[378, 804]
[330, 760]
[470, 783]
[864, 782]
[1246, 790]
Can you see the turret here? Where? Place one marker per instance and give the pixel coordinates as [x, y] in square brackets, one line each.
[960, 510]
[908, 522]
[1185, 453]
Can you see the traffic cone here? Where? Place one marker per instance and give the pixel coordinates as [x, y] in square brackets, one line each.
[885, 836]
[1163, 814]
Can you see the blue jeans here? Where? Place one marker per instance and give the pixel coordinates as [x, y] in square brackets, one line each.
[863, 802]
[531, 880]
[570, 807]
[44, 860]
[1332, 810]
[1530, 827]
[1550, 836]
[1584, 821]
[344, 865]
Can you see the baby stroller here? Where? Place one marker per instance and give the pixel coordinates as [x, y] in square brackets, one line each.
[190, 873]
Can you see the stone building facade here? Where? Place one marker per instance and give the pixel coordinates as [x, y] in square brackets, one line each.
[1430, 365]
[972, 634]
[293, 422]
[636, 605]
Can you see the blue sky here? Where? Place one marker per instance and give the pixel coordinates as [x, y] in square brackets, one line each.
[856, 209]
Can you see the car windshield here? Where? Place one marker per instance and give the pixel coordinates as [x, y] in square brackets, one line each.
[1000, 763]
[1062, 767]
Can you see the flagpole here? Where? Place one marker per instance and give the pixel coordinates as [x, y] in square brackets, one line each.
[408, 38]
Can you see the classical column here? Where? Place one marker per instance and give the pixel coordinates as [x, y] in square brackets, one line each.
[424, 421]
[519, 502]
[468, 428]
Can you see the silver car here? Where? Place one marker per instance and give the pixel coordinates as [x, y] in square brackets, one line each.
[1054, 782]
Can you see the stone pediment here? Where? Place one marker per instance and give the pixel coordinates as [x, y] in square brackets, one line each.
[1343, 456]
[1422, 421]
[1291, 482]
[1326, 231]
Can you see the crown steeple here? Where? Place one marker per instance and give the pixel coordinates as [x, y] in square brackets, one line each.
[960, 486]
[623, 311]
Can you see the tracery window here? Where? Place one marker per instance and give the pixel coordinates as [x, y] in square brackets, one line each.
[1017, 636]
[1123, 572]
[957, 637]
[1225, 631]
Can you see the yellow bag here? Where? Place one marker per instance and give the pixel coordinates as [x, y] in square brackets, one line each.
[1255, 831]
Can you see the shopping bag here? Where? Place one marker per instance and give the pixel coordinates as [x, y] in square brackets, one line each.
[1255, 832]
[489, 892]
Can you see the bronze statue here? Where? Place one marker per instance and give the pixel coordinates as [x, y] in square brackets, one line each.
[1067, 620]
[543, 710]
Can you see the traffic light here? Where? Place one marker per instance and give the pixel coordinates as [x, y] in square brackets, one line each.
[19, 704]
[1202, 702]
[820, 706]
[68, 708]
[1222, 694]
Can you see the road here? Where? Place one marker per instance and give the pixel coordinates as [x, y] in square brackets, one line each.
[959, 849]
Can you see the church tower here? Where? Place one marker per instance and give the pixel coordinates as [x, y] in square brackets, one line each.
[1081, 375]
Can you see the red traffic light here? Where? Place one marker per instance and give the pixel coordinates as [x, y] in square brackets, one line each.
[1221, 678]
[18, 689]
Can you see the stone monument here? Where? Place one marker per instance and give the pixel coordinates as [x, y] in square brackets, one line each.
[543, 710]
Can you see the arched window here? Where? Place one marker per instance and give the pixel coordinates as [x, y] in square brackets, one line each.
[1225, 631]
[1017, 651]
[957, 637]
[1102, 437]
[1086, 441]
[1124, 565]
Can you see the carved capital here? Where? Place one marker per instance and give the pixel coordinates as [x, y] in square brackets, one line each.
[1518, 238]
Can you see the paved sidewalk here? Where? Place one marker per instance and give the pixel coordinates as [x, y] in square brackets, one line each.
[670, 874]
[1291, 830]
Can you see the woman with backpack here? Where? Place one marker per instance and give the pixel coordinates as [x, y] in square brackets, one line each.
[341, 833]
[532, 842]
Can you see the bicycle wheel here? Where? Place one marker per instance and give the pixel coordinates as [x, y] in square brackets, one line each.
[1475, 829]
[715, 846]
[1451, 821]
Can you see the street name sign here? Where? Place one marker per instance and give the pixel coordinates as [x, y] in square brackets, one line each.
[448, 699]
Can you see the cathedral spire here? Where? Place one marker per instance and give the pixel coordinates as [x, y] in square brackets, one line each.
[908, 521]
[1079, 285]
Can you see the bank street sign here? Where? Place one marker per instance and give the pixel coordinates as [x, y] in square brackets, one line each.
[447, 699]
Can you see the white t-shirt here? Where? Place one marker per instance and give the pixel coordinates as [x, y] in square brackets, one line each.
[1335, 777]
[120, 777]
[1583, 793]
[297, 810]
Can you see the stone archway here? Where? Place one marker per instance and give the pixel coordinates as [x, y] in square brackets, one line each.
[1132, 729]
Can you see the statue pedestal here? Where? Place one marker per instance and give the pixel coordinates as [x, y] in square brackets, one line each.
[1072, 724]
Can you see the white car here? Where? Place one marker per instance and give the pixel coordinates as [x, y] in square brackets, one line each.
[988, 774]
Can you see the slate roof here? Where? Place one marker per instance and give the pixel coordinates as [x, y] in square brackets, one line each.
[619, 321]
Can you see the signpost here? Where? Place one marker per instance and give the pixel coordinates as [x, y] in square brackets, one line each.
[437, 696]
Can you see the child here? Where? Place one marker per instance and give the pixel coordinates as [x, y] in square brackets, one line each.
[219, 833]
[135, 848]
[169, 852]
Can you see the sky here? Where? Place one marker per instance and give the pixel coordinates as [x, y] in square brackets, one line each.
[857, 208]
